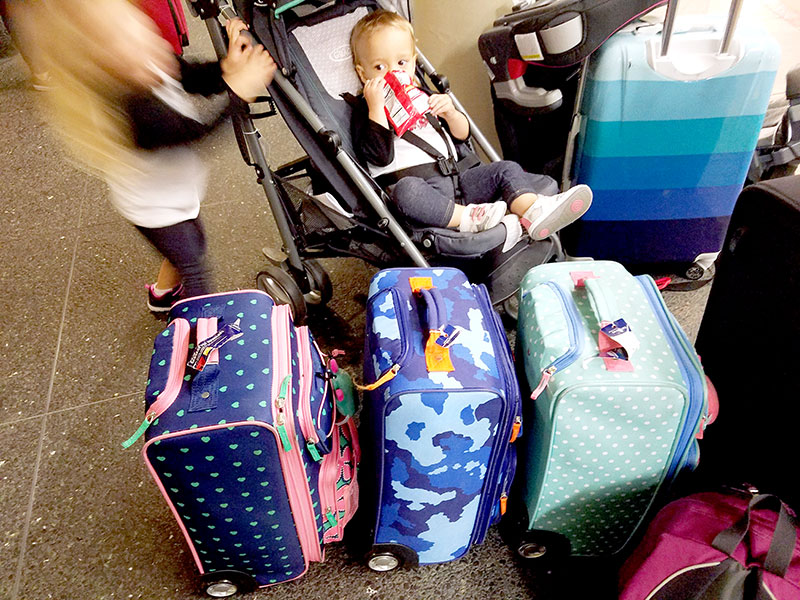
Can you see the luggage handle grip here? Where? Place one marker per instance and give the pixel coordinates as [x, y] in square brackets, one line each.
[784, 536]
[434, 308]
[602, 299]
[730, 27]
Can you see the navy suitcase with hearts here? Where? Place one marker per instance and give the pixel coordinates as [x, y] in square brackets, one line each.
[442, 407]
[245, 441]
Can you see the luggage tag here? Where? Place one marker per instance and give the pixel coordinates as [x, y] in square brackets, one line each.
[621, 333]
[616, 342]
[448, 335]
[229, 332]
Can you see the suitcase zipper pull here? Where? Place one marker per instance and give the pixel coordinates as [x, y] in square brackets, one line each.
[515, 429]
[280, 417]
[503, 503]
[311, 445]
[547, 374]
[387, 376]
[148, 420]
[330, 517]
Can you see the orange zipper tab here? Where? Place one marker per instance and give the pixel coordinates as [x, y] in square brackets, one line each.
[515, 429]
[503, 503]
[387, 376]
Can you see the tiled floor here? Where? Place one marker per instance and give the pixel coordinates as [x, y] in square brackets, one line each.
[80, 516]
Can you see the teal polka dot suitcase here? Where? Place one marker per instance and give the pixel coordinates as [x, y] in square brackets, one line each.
[245, 440]
[618, 401]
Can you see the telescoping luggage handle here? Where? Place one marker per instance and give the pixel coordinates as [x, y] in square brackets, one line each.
[669, 22]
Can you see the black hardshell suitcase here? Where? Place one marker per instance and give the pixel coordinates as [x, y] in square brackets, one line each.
[749, 342]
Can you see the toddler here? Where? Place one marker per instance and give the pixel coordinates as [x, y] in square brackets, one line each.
[383, 42]
[127, 106]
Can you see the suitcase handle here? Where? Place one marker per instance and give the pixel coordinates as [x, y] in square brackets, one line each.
[602, 300]
[434, 308]
[784, 536]
[730, 27]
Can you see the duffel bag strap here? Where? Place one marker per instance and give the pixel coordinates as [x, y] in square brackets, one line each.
[784, 536]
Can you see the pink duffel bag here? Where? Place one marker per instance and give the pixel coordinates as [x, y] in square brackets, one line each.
[716, 546]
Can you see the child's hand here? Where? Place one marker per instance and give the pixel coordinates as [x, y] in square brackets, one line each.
[374, 93]
[442, 106]
[247, 69]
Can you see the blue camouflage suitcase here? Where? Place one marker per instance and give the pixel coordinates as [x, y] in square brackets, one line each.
[666, 140]
[440, 414]
[618, 402]
[245, 440]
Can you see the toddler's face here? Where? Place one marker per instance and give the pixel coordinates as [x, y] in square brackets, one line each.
[387, 49]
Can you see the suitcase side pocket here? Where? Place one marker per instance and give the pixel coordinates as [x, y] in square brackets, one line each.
[338, 480]
[167, 368]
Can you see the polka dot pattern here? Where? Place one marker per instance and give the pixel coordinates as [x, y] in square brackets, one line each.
[220, 467]
[602, 440]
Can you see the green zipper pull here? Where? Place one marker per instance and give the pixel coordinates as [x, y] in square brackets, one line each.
[148, 420]
[312, 450]
[284, 387]
[280, 418]
[287, 445]
[331, 518]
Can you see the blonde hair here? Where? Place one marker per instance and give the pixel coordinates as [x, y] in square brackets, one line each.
[85, 95]
[374, 21]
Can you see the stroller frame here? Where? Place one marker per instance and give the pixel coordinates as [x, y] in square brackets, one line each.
[295, 277]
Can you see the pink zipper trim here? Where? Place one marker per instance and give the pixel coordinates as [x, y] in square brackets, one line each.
[292, 461]
[173, 508]
[177, 368]
[325, 393]
[306, 382]
[344, 501]
[217, 295]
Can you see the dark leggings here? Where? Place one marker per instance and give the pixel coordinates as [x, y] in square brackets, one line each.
[183, 245]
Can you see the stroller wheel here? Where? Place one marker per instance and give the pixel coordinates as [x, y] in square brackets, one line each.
[283, 290]
[321, 286]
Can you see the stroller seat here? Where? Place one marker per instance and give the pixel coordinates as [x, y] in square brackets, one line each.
[310, 41]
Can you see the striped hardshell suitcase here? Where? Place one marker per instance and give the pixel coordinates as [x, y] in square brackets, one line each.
[250, 453]
[666, 141]
[442, 411]
[614, 417]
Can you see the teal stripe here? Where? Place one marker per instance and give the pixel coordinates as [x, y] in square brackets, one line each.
[633, 100]
[663, 172]
[670, 138]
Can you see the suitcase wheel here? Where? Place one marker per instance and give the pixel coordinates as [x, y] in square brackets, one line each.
[388, 557]
[695, 272]
[223, 584]
[384, 561]
[540, 545]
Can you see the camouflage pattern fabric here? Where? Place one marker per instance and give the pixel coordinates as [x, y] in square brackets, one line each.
[444, 435]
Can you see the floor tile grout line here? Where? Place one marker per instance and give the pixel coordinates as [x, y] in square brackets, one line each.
[70, 408]
[26, 526]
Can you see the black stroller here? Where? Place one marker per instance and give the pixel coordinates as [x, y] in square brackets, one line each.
[343, 212]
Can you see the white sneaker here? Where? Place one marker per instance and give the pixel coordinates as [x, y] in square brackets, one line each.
[551, 213]
[480, 217]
